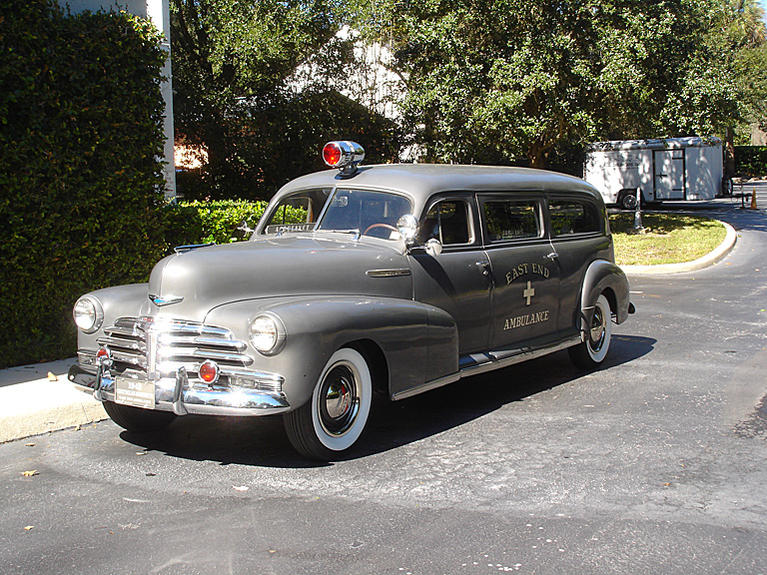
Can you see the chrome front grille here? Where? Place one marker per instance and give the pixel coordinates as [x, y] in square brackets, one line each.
[161, 346]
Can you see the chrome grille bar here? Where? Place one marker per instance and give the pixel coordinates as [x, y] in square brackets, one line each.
[149, 343]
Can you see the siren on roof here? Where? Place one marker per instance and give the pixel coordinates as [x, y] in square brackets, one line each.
[343, 155]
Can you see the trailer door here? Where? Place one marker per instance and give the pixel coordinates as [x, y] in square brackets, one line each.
[669, 175]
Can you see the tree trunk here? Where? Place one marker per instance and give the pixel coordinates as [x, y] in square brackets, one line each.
[729, 154]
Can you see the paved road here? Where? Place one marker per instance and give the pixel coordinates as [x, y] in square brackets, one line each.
[656, 464]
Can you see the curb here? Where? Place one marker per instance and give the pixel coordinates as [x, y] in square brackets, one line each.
[702, 262]
[32, 405]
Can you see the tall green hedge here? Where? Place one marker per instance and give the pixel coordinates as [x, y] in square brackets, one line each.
[80, 142]
[751, 161]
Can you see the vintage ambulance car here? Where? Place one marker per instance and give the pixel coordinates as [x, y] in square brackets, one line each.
[360, 280]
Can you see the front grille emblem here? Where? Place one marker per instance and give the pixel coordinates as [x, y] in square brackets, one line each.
[167, 300]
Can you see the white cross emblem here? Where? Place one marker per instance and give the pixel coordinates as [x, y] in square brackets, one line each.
[529, 292]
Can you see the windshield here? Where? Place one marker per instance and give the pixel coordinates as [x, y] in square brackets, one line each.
[369, 213]
[297, 212]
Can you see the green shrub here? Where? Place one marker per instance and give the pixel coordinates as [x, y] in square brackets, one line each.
[751, 161]
[80, 138]
[203, 222]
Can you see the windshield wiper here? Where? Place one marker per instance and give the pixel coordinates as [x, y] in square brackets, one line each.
[354, 231]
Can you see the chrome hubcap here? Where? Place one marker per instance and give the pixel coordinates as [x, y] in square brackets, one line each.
[597, 331]
[338, 400]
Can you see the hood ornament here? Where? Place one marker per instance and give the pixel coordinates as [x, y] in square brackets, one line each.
[167, 300]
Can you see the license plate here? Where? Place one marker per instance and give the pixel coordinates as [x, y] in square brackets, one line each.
[134, 391]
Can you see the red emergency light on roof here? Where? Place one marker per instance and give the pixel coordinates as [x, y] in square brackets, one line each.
[343, 155]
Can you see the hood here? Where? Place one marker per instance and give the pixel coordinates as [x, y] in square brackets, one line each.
[294, 265]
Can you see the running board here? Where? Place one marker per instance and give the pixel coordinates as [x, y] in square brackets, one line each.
[476, 364]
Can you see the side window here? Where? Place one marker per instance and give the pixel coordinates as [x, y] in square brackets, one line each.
[512, 219]
[573, 217]
[447, 221]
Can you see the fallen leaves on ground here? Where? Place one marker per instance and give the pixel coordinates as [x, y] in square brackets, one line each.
[52, 376]
[30, 473]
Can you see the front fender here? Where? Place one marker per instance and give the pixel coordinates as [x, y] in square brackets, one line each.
[419, 342]
[605, 276]
[118, 301]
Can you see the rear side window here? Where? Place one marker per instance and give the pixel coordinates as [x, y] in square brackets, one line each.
[512, 219]
[573, 217]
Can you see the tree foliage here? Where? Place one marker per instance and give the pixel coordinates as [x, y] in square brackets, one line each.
[246, 93]
[517, 80]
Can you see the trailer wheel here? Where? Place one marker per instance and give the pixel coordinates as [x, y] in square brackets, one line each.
[627, 199]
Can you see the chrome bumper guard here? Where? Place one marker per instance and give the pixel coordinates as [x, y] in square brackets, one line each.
[181, 397]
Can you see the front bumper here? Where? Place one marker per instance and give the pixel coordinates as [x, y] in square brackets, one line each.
[182, 398]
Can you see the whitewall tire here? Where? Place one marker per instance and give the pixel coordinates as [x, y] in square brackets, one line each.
[335, 417]
[593, 350]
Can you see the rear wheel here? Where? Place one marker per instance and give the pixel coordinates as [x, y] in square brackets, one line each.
[137, 419]
[628, 200]
[334, 418]
[591, 353]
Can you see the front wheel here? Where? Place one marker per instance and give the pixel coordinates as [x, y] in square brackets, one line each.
[592, 352]
[137, 419]
[332, 421]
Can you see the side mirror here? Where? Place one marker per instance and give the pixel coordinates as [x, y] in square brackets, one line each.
[407, 226]
[433, 247]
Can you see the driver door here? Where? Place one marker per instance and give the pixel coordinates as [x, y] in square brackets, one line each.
[458, 279]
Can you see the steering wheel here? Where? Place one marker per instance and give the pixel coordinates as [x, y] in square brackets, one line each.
[372, 226]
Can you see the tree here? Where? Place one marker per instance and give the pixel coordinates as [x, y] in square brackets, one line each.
[515, 80]
[232, 62]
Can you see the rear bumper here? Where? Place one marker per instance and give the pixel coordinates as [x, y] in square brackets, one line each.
[180, 397]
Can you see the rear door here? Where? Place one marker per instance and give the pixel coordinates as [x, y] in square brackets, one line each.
[577, 227]
[525, 273]
[669, 175]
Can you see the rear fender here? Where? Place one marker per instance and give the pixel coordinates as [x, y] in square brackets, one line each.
[603, 276]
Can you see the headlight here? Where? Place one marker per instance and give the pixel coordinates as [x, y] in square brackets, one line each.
[88, 314]
[267, 334]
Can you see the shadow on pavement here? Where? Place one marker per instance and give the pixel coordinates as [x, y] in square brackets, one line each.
[261, 441]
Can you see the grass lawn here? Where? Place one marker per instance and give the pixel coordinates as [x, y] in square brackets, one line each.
[668, 238]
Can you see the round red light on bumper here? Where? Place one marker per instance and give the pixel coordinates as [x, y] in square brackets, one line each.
[209, 372]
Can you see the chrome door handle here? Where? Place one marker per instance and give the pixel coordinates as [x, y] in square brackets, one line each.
[553, 256]
[484, 266]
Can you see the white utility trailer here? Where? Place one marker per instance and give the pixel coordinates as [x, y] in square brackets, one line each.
[663, 169]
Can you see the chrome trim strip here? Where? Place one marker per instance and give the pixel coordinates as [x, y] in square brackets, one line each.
[169, 339]
[166, 352]
[503, 358]
[388, 273]
[428, 386]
